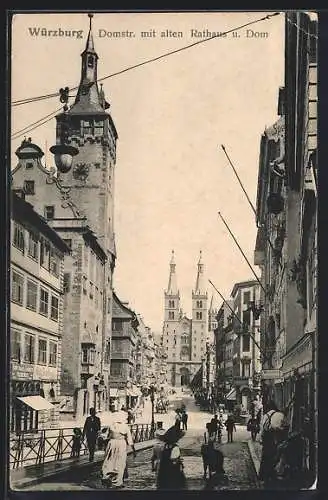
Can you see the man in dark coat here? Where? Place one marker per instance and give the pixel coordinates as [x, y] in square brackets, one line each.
[90, 431]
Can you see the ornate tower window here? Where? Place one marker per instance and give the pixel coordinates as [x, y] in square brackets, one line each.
[90, 61]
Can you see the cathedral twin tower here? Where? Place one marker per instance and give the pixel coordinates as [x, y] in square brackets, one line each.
[184, 339]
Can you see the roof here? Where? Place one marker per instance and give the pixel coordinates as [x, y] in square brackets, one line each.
[23, 211]
[243, 284]
[120, 311]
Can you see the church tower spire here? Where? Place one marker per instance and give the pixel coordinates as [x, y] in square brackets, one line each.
[200, 285]
[172, 288]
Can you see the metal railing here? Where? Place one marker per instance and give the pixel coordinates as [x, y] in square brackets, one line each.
[50, 445]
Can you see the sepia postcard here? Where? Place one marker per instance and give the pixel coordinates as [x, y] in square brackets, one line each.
[163, 251]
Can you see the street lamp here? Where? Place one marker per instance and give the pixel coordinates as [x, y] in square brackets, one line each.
[62, 151]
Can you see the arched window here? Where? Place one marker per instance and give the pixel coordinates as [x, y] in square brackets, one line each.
[90, 61]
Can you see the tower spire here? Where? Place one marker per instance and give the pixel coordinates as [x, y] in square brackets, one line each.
[90, 45]
[172, 286]
[88, 99]
[200, 285]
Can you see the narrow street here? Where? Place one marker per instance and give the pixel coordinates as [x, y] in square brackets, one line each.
[238, 466]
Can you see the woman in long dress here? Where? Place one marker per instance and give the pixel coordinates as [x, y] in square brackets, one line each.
[170, 474]
[114, 463]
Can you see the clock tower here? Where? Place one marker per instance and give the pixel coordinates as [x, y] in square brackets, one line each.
[88, 126]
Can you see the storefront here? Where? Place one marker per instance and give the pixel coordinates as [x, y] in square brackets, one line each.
[29, 410]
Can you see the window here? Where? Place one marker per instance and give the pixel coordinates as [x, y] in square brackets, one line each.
[15, 345]
[107, 353]
[247, 297]
[246, 343]
[88, 355]
[171, 315]
[49, 212]
[68, 242]
[44, 301]
[29, 348]
[87, 127]
[29, 187]
[108, 305]
[54, 308]
[32, 292]
[171, 303]
[67, 282]
[96, 296]
[17, 288]
[42, 352]
[45, 254]
[54, 263]
[246, 320]
[99, 128]
[29, 165]
[86, 256]
[52, 353]
[92, 265]
[199, 304]
[245, 370]
[116, 370]
[84, 285]
[91, 290]
[199, 315]
[90, 61]
[19, 239]
[33, 245]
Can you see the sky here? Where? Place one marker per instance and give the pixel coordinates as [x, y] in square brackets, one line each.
[172, 177]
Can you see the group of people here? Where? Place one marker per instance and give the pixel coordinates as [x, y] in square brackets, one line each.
[181, 418]
[114, 467]
[215, 426]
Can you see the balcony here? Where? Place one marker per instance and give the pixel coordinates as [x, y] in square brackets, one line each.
[88, 369]
[121, 355]
[238, 381]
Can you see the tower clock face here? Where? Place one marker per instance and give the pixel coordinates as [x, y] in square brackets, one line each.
[81, 171]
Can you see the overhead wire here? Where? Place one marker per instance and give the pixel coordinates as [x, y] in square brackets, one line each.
[143, 63]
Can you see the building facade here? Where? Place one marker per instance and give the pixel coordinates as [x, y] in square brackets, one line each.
[184, 339]
[271, 252]
[36, 321]
[79, 204]
[123, 391]
[246, 355]
[286, 247]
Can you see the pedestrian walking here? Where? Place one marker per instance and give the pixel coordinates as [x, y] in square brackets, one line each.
[230, 426]
[170, 472]
[253, 427]
[157, 450]
[178, 419]
[184, 419]
[90, 432]
[76, 442]
[215, 426]
[114, 467]
[273, 432]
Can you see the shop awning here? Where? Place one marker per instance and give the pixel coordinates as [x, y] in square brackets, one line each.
[231, 396]
[37, 402]
[113, 392]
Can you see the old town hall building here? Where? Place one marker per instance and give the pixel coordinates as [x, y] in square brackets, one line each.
[184, 339]
[78, 204]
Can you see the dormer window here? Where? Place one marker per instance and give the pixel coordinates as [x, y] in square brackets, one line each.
[29, 187]
[90, 61]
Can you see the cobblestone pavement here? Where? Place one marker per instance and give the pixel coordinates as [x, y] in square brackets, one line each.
[240, 473]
